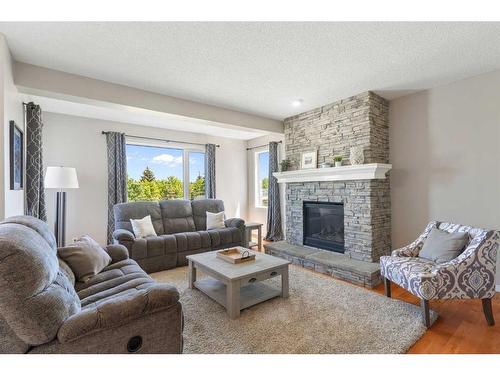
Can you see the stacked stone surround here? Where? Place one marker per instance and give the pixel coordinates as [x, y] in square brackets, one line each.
[360, 120]
[367, 214]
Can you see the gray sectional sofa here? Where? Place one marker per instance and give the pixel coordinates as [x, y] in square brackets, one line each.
[180, 226]
[43, 309]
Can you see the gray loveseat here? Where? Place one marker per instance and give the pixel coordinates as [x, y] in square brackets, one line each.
[43, 309]
[180, 226]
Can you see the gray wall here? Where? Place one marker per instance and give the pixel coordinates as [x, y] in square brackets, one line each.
[77, 142]
[445, 151]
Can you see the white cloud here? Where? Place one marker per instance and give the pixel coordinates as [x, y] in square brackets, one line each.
[167, 159]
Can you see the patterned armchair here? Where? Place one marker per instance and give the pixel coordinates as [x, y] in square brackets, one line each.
[470, 275]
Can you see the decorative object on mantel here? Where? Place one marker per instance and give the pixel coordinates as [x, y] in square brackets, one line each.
[357, 155]
[309, 159]
[326, 165]
[235, 255]
[345, 173]
[16, 146]
[285, 165]
[338, 160]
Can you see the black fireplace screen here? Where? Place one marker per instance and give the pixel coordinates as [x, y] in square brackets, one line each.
[324, 225]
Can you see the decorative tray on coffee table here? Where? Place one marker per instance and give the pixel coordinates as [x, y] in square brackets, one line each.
[235, 255]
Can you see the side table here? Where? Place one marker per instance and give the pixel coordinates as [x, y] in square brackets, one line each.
[249, 227]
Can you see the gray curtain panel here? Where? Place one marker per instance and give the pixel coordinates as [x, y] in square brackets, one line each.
[117, 175]
[274, 229]
[210, 170]
[35, 194]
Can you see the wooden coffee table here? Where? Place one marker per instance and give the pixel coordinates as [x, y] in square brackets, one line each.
[238, 286]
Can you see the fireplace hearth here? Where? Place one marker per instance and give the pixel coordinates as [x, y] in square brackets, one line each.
[324, 225]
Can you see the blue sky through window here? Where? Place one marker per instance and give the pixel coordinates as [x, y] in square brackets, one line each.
[196, 165]
[164, 162]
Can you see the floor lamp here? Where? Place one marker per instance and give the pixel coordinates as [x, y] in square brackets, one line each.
[60, 178]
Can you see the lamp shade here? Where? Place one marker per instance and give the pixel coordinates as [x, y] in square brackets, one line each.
[61, 178]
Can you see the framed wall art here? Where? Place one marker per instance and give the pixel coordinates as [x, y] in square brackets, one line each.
[16, 143]
[309, 159]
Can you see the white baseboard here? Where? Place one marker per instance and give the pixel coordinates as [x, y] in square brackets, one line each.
[497, 288]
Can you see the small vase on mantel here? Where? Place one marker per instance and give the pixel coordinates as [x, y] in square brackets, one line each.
[357, 155]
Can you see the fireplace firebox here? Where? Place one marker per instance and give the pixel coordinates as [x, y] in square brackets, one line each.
[324, 225]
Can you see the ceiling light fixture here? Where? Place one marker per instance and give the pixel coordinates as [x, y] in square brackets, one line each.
[297, 102]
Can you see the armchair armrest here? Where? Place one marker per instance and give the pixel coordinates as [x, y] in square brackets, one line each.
[117, 252]
[410, 250]
[481, 253]
[235, 223]
[115, 312]
[123, 235]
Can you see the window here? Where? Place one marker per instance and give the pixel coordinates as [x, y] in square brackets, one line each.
[156, 173]
[196, 175]
[262, 178]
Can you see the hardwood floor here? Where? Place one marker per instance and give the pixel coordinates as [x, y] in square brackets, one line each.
[460, 328]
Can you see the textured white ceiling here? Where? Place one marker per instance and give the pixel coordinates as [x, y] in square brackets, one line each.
[261, 68]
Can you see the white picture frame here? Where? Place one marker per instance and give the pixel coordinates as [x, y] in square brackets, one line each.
[309, 159]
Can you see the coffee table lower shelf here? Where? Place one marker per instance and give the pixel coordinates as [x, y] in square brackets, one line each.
[250, 295]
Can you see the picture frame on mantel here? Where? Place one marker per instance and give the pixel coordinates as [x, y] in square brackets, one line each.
[16, 151]
[309, 159]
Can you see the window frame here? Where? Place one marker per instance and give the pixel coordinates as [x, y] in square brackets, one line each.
[257, 198]
[186, 150]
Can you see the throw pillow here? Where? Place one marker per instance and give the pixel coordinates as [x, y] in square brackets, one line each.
[441, 246]
[85, 257]
[215, 221]
[143, 227]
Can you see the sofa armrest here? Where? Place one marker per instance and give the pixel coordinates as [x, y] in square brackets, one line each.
[119, 311]
[117, 252]
[235, 223]
[123, 235]
[240, 225]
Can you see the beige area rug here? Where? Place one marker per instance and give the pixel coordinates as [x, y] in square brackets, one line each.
[322, 315]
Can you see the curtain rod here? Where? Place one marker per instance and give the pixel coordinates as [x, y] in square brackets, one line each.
[251, 148]
[161, 139]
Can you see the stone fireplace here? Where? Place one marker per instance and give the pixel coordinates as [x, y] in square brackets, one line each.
[362, 191]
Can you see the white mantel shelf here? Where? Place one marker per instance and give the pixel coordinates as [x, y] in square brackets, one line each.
[345, 173]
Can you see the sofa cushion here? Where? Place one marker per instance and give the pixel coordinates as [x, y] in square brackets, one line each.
[137, 210]
[190, 241]
[113, 280]
[441, 246]
[85, 257]
[169, 243]
[64, 268]
[131, 305]
[36, 296]
[224, 236]
[177, 216]
[200, 208]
